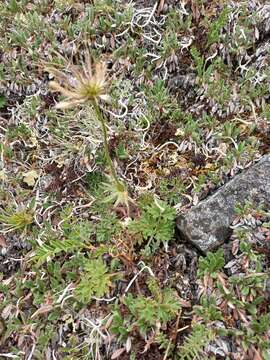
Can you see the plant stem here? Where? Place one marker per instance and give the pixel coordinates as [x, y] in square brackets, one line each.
[106, 145]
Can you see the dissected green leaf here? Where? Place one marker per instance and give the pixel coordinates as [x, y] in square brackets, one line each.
[95, 281]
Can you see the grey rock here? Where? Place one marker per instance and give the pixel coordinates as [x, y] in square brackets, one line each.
[207, 225]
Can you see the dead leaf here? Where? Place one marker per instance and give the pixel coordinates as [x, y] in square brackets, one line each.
[44, 309]
[3, 242]
[7, 311]
[185, 303]
[128, 344]
[160, 7]
[3, 175]
[2, 327]
[257, 354]
[117, 353]
[30, 177]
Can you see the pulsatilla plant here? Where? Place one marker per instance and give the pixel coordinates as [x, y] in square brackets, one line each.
[89, 85]
[82, 86]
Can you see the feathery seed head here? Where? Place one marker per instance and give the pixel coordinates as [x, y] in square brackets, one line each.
[84, 85]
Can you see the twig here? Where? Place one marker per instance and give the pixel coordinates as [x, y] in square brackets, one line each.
[160, 6]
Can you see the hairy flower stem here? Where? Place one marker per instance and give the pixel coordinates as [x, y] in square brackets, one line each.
[106, 145]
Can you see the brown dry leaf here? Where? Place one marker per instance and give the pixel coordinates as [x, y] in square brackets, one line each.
[3, 242]
[2, 327]
[223, 283]
[185, 303]
[44, 309]
[235, 315]
[195, 200]
[235, 247]
[160, 7]
[195, 10]
[128, 344]
[117, 353]
[149, 342]
[257, 354]
[112, 42]
[30, 177]
[7, 311]
[242, 315]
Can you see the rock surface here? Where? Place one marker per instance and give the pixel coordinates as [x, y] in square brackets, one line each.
[207, 225]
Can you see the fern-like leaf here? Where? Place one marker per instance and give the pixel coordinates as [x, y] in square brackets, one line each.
[156, 223]
[195, 342]
[47, 252]
[95, 281]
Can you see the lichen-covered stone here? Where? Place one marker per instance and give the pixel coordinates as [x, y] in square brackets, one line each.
[207, 225]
